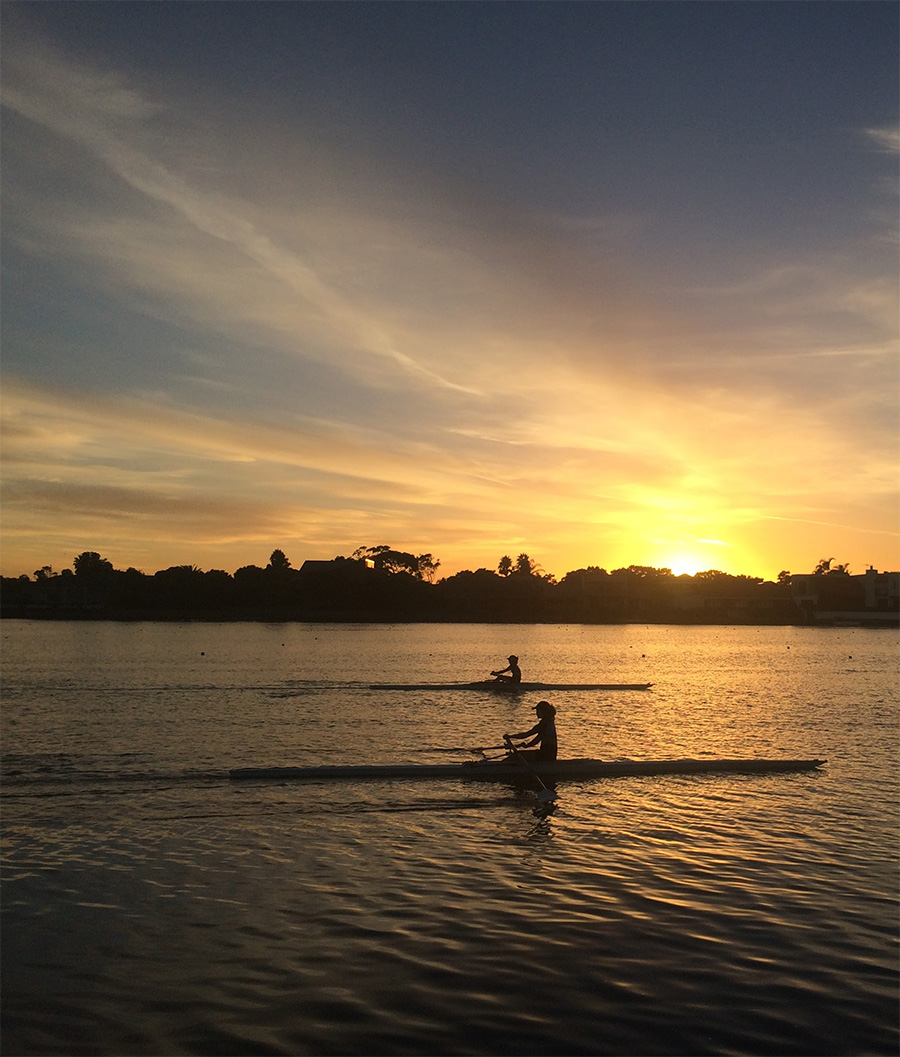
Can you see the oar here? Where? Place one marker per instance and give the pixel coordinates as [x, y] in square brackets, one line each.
[476, 748]
[545, 794]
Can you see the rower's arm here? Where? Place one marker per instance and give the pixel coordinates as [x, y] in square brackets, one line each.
[526, 734]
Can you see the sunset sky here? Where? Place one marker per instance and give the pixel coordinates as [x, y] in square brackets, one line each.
[608, 283]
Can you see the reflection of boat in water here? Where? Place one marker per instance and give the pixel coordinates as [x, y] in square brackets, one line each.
[502, 770]
[504, 686]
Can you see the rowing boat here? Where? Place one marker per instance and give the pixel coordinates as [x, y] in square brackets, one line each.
[492, 770]
[504, 686]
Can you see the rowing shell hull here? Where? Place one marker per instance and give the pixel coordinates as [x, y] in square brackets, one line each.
[492, 772]
[507, 688]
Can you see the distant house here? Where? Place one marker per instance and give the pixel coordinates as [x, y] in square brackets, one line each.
[882, 590]
[343, 569]
[870, 599]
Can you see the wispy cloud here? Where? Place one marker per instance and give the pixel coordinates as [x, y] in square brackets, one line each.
[886, 139]
[101, 114]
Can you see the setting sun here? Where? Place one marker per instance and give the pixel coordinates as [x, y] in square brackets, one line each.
[683, 564]
[693, 556]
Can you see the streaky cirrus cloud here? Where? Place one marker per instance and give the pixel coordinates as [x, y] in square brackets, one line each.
[94, 111]
[887, 139]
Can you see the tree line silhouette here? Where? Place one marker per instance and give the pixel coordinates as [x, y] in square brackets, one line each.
[382, 583]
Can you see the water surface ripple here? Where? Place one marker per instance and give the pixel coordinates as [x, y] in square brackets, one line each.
[151, 906]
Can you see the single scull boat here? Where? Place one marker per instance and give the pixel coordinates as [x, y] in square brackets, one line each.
[504, 686]
[492, 770]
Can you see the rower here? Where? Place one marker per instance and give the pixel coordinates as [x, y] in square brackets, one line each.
[543, 734]
[515, 674]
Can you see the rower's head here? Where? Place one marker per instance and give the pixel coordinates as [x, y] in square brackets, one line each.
[513, 659]
[544, 708]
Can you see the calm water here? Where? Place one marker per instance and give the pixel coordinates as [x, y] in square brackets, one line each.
[150, 906]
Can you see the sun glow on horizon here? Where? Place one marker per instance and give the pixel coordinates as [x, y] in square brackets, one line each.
[691, 557]
[684, 564]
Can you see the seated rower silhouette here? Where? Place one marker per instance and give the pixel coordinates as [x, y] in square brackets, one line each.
[515, 673]
[543, 734]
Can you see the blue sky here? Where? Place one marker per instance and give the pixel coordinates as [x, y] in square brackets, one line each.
[608, 283]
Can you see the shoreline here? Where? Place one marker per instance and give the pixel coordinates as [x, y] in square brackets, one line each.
[886, 621]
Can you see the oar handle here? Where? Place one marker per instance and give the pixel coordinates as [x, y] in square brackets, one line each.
[545, 793]
[508, 742]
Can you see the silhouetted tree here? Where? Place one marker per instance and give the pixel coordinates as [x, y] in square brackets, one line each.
[281, 580]
[427, 567]
[278, 562]
[644, 572]
[387, 559]
[89, 563]
[132, 590]
[176, 586]
[362, 554]
[505, 566]
[94, 575]
[524, 565]
[825, 568]
[217, 590]
[592, 572]
[249, 584]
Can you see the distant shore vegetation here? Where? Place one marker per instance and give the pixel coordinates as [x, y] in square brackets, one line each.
[382, 583]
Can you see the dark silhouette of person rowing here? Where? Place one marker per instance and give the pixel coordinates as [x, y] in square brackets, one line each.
[543, 734]
[515, 673]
